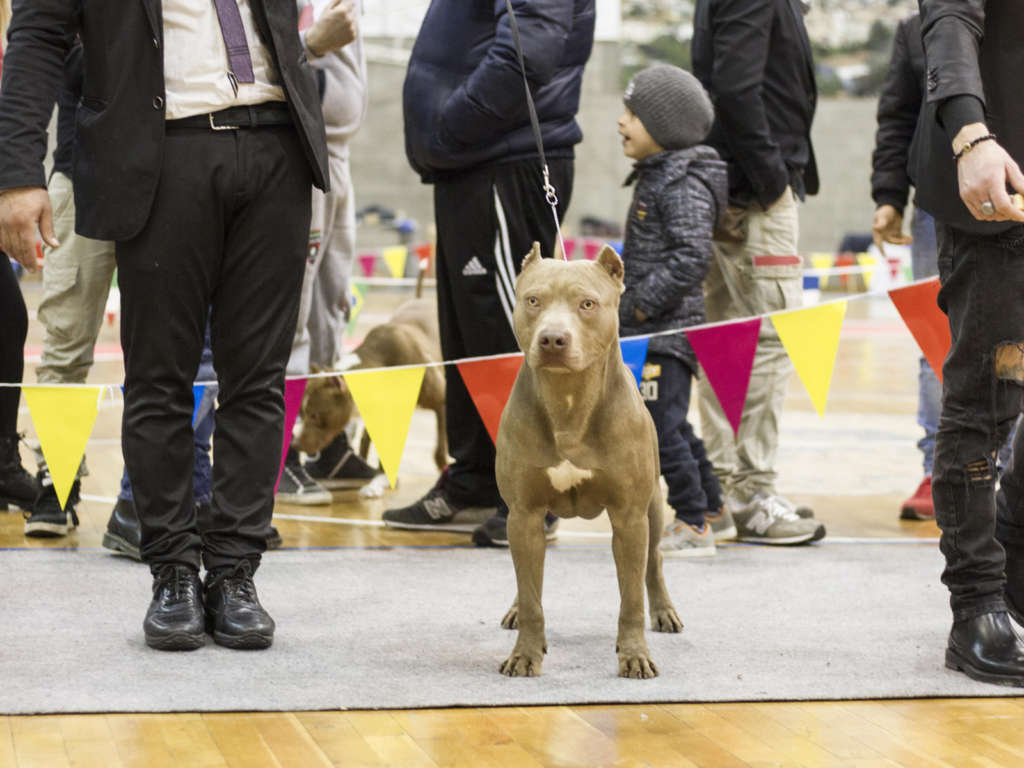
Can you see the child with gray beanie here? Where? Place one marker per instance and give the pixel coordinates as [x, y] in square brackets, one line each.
[681, 192]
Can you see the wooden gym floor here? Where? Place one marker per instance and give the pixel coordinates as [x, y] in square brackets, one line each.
[854, 467]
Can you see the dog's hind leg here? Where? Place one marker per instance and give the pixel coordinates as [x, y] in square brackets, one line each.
[528, 545]
[663, 614]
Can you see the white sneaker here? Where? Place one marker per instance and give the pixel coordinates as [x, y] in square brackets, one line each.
[682, 540]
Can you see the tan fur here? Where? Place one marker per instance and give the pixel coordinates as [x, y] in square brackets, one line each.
[576, 439]
[410, 337]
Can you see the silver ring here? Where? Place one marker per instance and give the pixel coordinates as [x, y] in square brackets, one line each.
[987, 208]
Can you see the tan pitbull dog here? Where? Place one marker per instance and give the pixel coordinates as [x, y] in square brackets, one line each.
[575, 439]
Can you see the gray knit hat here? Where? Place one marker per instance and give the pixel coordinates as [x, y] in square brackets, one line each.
[672, 105]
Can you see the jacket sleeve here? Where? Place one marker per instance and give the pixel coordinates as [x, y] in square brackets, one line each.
[688, 210]
[39, 39]
[480, 109]
[952, 32]
[898, 107]
[742, 32]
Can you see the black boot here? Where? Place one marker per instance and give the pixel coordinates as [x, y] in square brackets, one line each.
[47, 519]
[17, 486]
[123, 532]
[174, 621]
[987, 648]
[234, 615]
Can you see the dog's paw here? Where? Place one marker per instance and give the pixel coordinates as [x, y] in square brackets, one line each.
[521, 664]
[637, 666]
[666, 620]
[511, 619]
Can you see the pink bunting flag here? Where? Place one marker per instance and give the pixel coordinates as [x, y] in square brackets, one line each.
[570, 247]
[591, 248]
[294, 389]
[367, 262]
[726, 353]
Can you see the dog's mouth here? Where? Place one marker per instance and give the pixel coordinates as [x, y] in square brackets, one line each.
[555, 360]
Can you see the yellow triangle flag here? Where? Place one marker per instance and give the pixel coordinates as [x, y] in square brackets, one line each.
[869, 263]
[386, 399]
[395, 257]
[821, 261]
[811, 339]
[63, 418]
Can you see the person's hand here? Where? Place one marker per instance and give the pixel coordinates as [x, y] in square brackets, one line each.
[336, 28]
[983, 172]
[24, 211]
[888, 228]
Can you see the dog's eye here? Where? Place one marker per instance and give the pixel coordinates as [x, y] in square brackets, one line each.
[532, 301]
[588, 304]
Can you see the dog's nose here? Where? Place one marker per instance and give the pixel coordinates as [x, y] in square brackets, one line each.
[554, 340]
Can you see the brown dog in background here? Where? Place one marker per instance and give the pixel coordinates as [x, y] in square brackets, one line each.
[410, 337]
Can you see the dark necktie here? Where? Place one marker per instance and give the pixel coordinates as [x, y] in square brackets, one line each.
[234, 38]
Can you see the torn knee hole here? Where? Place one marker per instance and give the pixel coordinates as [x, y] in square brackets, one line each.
[1010, 362]
[979, 471]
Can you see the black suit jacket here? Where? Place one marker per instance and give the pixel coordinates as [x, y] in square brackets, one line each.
[120, 120]
[973, 47]
[754, 58]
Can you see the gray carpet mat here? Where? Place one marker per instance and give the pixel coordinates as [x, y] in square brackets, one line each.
[418, 627]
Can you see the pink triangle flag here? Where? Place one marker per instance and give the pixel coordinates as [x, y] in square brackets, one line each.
[570, 247]
[367, 262]
[726, 353]
[590, 248]
[294, 389]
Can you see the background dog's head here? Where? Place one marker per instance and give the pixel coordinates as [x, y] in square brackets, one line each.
[567, 313]
[327, 408]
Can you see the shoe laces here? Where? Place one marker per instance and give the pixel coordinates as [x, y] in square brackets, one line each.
[777, 508]
[236, 580]
[176, 579]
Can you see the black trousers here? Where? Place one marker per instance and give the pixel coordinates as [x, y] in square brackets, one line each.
[227, 234]
[487, 220]
[13, 329]
[693, 488]
[982, 285]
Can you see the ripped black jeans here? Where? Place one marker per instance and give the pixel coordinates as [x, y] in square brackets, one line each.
[983, 296]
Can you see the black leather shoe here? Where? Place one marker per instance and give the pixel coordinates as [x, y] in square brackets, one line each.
[234, 615]
[174, 621]
[987, 648]
[123, 533]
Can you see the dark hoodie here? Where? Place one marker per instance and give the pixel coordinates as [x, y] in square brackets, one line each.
[680, 196]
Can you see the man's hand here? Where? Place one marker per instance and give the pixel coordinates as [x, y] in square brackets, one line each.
[24, 212]
[983, 172]
[336, 28]
[888, 228]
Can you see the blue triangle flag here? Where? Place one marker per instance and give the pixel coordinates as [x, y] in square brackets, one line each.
[197, 394]
[634, 355]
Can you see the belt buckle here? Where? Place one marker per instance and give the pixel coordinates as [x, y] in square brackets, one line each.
[221, 127]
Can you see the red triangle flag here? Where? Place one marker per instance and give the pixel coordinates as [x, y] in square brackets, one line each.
[367, 261]
[424, 253]
[490, 383]
[726, 353]
[919, 308]
[294, 389]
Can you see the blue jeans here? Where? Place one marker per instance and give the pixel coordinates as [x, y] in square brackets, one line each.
[202, 483]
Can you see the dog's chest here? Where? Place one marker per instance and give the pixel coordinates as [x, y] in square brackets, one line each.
[566, 476]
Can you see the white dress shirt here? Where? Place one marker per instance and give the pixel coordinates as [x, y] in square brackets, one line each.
[196, 79]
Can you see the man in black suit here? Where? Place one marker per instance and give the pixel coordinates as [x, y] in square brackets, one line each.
[974, 56]
[196, 156]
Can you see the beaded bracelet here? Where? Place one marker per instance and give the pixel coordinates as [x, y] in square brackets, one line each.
[972, 144]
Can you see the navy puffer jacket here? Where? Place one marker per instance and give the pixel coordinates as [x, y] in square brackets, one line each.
[679, 197]
[463, 98]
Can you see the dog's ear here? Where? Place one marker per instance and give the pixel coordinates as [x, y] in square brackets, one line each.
[610, 262]
[532, 257]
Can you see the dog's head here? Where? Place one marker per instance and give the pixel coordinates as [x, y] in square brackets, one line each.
[327, 408]
[567, 313]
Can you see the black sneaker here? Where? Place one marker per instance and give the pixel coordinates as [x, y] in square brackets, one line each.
[274, 540]
[174, 621]
[297, 487]
[17, 485]
[337, 466]
[47, 519]
[436, 512]
[494, 532]
[234, 615]
[123, 533]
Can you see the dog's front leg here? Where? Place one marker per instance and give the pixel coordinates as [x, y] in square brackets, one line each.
[526, 539]
[629, 545]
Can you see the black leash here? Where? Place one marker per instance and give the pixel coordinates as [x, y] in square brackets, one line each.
[549, 190]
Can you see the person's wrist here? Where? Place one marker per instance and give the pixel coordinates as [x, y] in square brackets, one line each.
[313, 42]
[969, 133]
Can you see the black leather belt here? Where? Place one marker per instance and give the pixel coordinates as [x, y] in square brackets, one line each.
[254, 116]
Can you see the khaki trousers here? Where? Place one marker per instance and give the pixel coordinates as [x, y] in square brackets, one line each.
[755, 270]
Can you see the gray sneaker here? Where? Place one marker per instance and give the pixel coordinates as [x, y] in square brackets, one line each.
[771, 520]
[682, 540]
[297, 487]
[723, 527]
